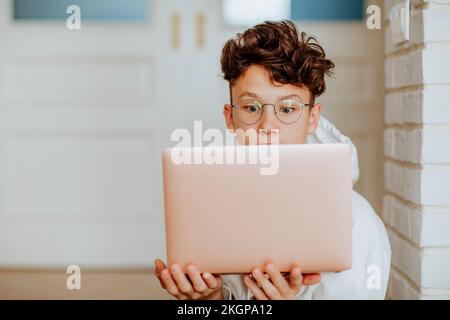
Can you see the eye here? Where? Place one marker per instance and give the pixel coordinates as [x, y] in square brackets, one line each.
[252, 108]
[287, 110]
[288, 106]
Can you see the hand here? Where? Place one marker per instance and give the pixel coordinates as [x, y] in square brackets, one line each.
[275, 286]
[196, 287]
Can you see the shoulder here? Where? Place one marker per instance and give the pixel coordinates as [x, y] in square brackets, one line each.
[368, 228]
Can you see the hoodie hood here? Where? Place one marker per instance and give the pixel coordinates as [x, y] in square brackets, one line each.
[327, 133]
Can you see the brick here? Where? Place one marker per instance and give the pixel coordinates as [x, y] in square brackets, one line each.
[435, 70]
[424, 268]
[433, 294]
[416, 35]
[436, 268]
[405, 70]
[435, 186]
[403, 218]
[405, 257]
[429, 145]
[427, 186]
[436, 106]
[440, 296]
[435, 21]
[425, 226]
[418, 67]
[404, 145]
[430, 105]
[435, 145]
[400, 288]
[426, 26]
[435, 230]
[405, 182]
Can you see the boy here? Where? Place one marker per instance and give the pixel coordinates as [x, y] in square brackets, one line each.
[274, 76]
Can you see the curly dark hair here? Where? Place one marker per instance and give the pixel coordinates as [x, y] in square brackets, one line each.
[277, 46]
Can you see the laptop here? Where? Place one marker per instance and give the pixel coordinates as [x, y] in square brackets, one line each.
[228, 217]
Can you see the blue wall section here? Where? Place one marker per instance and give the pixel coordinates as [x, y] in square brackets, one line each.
[328, 9]
[108, 10]
[138, 10]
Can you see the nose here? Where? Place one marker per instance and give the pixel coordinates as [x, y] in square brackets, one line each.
[268, 120]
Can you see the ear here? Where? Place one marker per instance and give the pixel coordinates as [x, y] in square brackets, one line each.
[228, 114]
[314, 117]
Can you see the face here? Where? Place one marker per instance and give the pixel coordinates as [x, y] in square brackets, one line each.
[255, 85]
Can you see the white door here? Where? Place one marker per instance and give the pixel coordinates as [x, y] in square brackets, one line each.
[85, 114]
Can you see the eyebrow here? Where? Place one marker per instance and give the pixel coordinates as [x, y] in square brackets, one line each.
[248, 94]
[254, 95]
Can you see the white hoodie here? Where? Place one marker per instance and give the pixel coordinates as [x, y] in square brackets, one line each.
[371, 252]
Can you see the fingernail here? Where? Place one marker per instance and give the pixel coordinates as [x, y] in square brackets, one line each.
[270, 267]
[206, 275]
[257, 272]
[191, 268]
[165, 273]
[175, 268]
[297, 271]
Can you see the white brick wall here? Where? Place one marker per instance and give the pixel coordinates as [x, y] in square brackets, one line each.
[416, 204]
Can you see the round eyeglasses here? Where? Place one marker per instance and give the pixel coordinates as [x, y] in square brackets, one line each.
[288, 111]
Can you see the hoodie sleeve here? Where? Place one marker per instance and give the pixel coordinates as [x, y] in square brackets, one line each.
[234, 287]
[227, 295]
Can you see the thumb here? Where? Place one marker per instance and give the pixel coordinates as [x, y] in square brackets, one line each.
[295, 279]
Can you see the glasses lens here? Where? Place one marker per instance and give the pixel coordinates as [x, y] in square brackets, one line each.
[289, 111]
[249, 112]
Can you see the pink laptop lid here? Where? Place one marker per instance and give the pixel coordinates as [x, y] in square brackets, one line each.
[229, 218]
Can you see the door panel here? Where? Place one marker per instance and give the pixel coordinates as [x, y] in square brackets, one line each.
[83, 122]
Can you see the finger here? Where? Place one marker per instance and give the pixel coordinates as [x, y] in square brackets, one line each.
[266, 285]
[310, 279]
[278, 280]
[170, 285]
[295, 279]
[161, 282]
[196, 279]
[257, 292]
[211, 280]
[181, 280]
[159, 266]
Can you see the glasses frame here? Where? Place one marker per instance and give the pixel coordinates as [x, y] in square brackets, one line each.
[303, 105]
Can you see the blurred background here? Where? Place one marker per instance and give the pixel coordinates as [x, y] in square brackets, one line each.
[84, 115]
